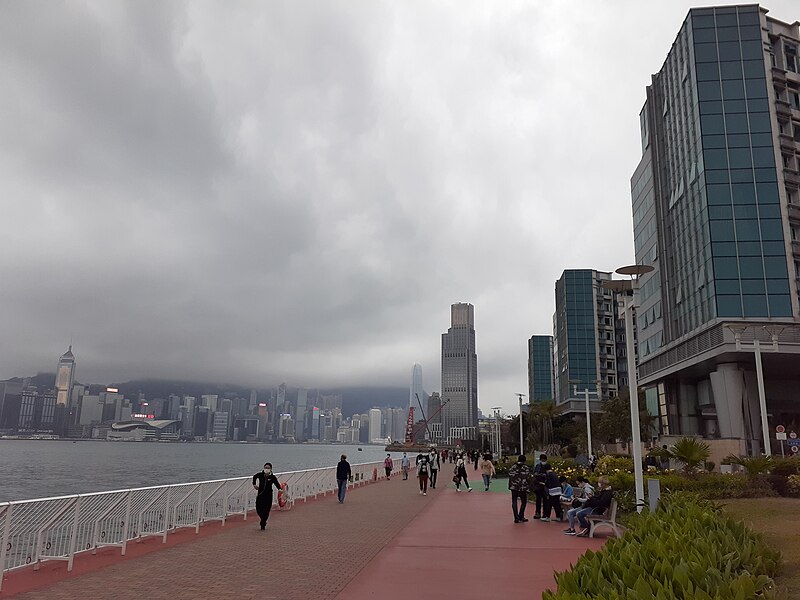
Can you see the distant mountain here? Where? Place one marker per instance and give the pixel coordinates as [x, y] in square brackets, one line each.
[354, 399]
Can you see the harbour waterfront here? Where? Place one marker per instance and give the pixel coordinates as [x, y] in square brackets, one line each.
[42, 468]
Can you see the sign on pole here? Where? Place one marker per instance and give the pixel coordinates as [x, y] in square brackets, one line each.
[780, 429]
[780, 435]
[795, 448]
[793, 435]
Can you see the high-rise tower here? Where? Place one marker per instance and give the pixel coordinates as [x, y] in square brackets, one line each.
[416, 389]
[65, 377]
[716, 211]
[460, 375]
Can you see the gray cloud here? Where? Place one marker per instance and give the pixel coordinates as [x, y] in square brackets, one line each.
[256, 192]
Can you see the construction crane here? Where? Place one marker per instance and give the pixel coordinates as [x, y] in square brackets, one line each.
[410, 422]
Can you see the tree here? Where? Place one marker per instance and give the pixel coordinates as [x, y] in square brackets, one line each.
[542, 413]
[691, 453]
[615, 421]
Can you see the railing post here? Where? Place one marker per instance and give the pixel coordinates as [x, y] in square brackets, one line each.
[166, 514]
[199, 507]
[225, 507]
[4, 548]
[126, 528]
[74, 539]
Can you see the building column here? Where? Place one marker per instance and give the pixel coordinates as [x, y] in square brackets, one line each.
[727, 383]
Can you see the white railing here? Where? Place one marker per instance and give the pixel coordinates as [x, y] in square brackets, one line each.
[34, 531]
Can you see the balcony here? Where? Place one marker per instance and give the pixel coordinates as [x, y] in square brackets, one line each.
[791, 177]
[787, 142]
[783, 109]
[794, 212]
[796, 247]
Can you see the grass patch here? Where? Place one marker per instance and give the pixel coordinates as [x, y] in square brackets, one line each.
[778, 520]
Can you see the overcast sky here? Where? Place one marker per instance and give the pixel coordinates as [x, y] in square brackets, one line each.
[257, 192]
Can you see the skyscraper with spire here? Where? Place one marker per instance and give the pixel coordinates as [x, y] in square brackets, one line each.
[65, 377]
[416, 389]
[460, 375]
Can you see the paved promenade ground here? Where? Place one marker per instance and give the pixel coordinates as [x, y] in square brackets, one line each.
[385, 542]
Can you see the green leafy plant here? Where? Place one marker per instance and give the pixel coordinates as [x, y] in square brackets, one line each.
[691, 452]
[663, 557]
[753, 465]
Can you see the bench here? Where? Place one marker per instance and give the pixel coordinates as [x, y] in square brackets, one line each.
[610, 521]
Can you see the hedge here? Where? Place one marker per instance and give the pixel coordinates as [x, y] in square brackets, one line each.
[685, 550]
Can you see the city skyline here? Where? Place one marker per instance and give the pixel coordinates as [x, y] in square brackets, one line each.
[174, 240]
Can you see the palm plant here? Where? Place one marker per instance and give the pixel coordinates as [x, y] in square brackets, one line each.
[691, 452]
[753, 465]
[542, 414]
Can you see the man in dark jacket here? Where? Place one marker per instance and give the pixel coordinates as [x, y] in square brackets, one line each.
[539, 480]
[343, 475]
[519, 482]
[596, 505]
[263, 482]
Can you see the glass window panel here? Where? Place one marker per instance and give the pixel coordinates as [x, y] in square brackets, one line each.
[775, 267]
[729, 306]
[729, 51]
[749, 16]
[747, 229]
[746, 211]
[705, 53]
[765, 175]
[729, 69]
[707, 71]
[753, 286]
[780, 305]
[713, 107]
[733, 88]
[755, 306]
[755, 88]
[717, 177]
[739, 158]
[714, 141]
[726, 17]
[702, 21]
[720, 212]
[741, 175]
[735, 106]
[758, 104]
[708, 90]
[734, 124]
[751, 267]
[772, 229]
[767, 193]
[759, 123]
[718, 194]
[750, 33]
[778, 286]
[738, 140]
[753, 68]
[751, 49]
[769, 211]
[728, 286]
[728, 34]
[743, 193]
[722, 231]
[715, 159]
[763, 157]
[704, 35]
[711, 124]
[761, 139]
[723, 249]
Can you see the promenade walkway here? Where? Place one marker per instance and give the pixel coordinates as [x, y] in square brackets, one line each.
[385, 542]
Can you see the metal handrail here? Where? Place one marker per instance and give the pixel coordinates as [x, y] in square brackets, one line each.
[65, 526]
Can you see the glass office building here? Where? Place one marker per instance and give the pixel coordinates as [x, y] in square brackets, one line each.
[460, 375]
[714, 210]
[540, 368]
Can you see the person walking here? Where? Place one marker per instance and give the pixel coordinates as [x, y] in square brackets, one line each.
[519, 482]
[552, 499]
[423, 467]
[343, 476]
[262, 483]
[388, 465]
[461, 474]
[405, 465]
[539, 480]
[475, 457]
[487, 472]
[435, 463]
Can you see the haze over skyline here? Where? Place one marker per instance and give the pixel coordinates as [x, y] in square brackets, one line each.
[255, 193]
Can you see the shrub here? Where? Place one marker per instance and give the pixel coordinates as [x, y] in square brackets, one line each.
[786, 466]
[753, 465]
[608, 465]
[691, 452]
[662, 556]
[793, 485]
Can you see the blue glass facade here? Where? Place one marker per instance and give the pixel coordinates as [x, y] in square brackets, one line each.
[540, 368]
[576, 330]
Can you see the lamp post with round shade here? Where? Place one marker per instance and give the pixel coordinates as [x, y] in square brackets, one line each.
[629, 289]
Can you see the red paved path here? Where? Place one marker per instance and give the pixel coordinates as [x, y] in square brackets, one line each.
[385, 542]
[465, 546]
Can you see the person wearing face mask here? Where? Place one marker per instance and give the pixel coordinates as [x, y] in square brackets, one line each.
[433, 459]
[262, 483]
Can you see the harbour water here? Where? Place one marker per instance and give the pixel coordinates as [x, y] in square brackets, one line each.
[43, 468]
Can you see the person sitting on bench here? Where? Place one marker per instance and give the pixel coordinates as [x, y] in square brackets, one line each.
[596, 505]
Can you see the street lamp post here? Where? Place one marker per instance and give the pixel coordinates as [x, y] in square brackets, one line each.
[630, 300]
[762, 399]
[498, 444]
[586, 393]
[521, 441]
